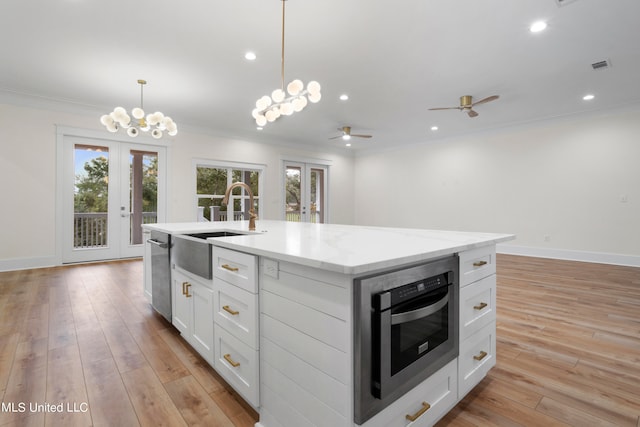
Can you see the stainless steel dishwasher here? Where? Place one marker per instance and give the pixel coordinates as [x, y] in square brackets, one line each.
[161, 273]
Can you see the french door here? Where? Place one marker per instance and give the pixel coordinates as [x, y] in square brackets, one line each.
[110, 189]
[305, 192]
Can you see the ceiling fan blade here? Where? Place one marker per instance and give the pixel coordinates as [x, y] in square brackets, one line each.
[336, 137]
[445, 108]
[472, 113]
[485, 100]
[361, 136]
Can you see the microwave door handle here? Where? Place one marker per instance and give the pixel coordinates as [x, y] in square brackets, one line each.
[409, 316]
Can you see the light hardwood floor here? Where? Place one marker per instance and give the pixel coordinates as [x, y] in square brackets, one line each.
[568, 351]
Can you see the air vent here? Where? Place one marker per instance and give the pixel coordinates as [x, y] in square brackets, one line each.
[564, 2]
[601, 65]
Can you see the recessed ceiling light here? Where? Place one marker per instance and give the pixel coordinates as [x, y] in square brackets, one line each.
[588, 97]
[347, 144]
[434, 127]
[344, 97]
[538, 26]
[250, 56]
[259, 128]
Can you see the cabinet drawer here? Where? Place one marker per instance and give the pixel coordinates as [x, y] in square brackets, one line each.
[476, 264]
[439, 392]
[477, 306]
[237, 268]
[237, 311]
[477, 356]
[237, 363]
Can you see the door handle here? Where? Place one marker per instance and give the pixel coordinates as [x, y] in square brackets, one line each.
[232, 362]
[230, 310]
[228, 267]
[187, 294]
[480, 306]
[425, 408]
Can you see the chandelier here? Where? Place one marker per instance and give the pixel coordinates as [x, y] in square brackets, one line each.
[281, 103]
[155, 122]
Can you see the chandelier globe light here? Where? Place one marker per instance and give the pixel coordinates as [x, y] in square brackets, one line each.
[156, 122]
[285, 103]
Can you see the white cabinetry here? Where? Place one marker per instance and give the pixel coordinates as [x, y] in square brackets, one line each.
[306, 362]
[477, 317]
[192, 307]
[424, 404]
[235, 282]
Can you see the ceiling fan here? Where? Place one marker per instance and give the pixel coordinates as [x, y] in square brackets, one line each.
[467, 104]
[346, 134]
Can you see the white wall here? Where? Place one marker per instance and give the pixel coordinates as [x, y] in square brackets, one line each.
[28, 178]
[562, 179]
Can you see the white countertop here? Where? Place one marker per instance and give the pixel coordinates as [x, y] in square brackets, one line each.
[345, 249]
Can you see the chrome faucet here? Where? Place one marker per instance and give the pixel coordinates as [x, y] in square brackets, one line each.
[252, 212]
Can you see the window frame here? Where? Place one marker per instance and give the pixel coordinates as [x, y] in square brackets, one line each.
[230, 166]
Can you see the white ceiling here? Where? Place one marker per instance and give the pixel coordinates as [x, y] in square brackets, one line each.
[395, 59]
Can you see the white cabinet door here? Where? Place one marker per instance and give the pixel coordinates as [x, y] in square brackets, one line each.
[180, 304]
[202, 326]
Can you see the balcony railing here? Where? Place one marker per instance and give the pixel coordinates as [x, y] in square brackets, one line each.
[294, 216]
[90, 230]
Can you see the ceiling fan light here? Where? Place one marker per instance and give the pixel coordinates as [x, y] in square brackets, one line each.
[346, 137]
[295, 87]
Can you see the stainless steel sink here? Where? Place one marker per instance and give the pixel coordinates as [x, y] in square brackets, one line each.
[193, 253]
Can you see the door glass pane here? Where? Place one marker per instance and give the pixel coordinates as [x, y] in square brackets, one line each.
[211, 184]
[143, 192]
[91, 196]
[317, 196]
[292, 192]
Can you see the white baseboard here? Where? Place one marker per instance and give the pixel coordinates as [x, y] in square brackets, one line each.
[27, 263]
[570, 255]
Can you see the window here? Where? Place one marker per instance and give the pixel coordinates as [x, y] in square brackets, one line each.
[212, 180]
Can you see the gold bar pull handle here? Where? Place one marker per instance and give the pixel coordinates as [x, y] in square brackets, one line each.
[228, 267]
[187, 294]
[232, 362]
[480, 306]
[183, 291]
[425, 408]
[480, 356]
[479, 263]
[230, 310]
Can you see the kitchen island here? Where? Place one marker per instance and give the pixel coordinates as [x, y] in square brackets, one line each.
[283, 329]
